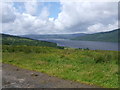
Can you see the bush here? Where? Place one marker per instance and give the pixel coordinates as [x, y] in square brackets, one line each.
[86, 49]
[60, 47]
[102, 58]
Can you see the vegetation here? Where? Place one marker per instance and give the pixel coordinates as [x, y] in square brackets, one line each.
[95, 67]
[15, 40]
[111, 36]
[82, 65]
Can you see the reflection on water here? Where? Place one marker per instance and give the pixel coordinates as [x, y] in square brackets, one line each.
[94, 45]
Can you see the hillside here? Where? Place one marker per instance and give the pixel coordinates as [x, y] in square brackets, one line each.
[111, 36]
[16, 40]
[95, 67]
[80, 65]
[54, 36]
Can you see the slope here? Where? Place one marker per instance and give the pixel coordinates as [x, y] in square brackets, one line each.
[111, 36]
[16, 40]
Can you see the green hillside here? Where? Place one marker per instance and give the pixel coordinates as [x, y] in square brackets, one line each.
[54, 36]
[111, 36]
[95, 67]
[16, 40]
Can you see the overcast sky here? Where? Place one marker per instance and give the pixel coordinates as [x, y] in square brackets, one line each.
[19, 18]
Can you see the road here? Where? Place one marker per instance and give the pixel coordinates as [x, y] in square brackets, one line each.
[15, 77]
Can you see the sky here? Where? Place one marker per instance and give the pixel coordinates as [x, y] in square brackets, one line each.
[21, 18]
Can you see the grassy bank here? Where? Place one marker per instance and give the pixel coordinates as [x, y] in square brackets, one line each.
[95, 67]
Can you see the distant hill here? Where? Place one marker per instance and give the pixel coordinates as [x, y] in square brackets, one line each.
[111, 36]
[54, 36]
[16, 40]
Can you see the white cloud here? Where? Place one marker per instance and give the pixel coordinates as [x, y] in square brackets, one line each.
[44, 13]
[31, 7]
[102, 28]
[79, 15]
[74, 17]
[28, 24]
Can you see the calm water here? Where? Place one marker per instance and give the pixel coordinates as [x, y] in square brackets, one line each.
[93, 45]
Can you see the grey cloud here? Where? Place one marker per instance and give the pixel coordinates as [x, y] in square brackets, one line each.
[8, 18]
[8, 13]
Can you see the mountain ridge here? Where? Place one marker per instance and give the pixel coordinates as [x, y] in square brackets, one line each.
[110, 36]
[53, 36]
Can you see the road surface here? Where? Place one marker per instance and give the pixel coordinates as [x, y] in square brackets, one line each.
[15, 77]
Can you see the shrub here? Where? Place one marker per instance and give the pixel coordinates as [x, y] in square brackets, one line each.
[102, 58]
[86, 49]
[60, 47]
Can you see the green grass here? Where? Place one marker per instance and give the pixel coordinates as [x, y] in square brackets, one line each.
[95, 67]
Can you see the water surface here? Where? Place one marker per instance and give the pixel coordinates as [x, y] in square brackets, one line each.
[93, 45]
